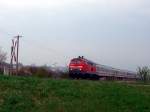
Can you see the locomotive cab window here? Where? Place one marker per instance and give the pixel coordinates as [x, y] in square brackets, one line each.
[76, 61]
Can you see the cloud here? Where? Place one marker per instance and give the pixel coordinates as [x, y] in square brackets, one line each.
[25, 4]
[56, 3]
[109, 27]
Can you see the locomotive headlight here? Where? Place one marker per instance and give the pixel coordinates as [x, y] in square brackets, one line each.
[80, 67]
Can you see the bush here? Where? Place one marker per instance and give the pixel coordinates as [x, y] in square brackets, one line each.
[43, 72]
[35, 71]
[144, 74]
[65, 74]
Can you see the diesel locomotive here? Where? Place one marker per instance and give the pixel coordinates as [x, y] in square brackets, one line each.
[86, 69]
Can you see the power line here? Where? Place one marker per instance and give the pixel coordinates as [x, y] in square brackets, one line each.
[5, 32]
[39, 46]
[34, 42]
[48, 50]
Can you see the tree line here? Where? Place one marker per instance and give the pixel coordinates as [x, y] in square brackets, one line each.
[43, 71]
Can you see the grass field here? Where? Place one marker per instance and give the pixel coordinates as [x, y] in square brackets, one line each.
[20, 94]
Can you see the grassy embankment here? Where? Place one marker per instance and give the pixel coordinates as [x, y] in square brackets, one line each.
[27, 94]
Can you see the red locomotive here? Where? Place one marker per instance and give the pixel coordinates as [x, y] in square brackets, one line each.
[83, 68]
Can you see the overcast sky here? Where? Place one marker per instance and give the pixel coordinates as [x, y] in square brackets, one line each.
[109, 32]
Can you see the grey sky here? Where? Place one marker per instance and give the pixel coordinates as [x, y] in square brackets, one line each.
[111, 32]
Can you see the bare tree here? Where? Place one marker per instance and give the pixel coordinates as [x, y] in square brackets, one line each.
[3, 56]
[144, 73]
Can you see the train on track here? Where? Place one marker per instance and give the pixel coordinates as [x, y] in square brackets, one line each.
[86, 69]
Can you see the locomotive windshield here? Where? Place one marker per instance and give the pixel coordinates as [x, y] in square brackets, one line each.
[76, 61]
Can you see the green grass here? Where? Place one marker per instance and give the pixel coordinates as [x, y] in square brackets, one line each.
[20, 94]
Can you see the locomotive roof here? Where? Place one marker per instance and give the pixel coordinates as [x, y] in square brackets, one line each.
[84, 60]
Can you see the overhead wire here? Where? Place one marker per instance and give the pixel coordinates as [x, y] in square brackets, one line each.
[5, 32]
[48, 50]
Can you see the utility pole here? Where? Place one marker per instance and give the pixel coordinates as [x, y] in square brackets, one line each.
[15, 53]
[17, 61]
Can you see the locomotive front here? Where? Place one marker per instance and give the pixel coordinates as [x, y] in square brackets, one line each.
[82, 68]
[77, 68]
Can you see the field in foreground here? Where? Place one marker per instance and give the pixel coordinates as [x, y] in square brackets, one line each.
[20, 94]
